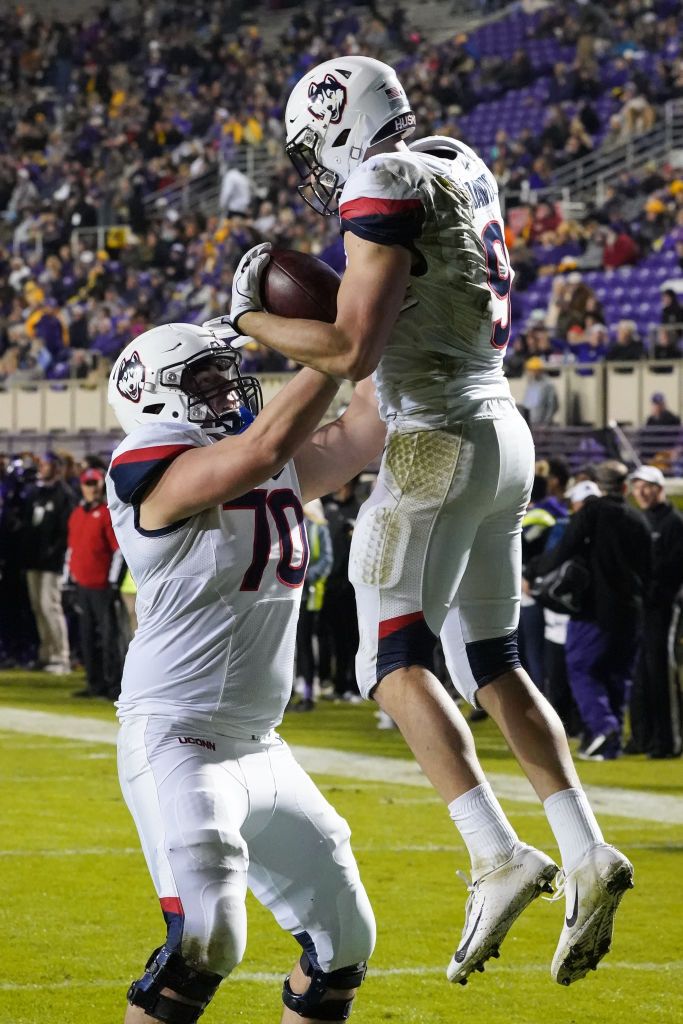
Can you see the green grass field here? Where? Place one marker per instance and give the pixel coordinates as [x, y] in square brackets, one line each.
[79, 915]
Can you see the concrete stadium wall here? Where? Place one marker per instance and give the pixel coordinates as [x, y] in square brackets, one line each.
[588, 395]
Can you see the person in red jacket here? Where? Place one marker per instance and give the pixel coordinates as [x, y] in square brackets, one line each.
[620, 250]
[93, 564]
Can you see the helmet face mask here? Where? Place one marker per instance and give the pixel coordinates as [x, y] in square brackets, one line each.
[184, 374]
[219, 399]
[321, 187]
[334, 114]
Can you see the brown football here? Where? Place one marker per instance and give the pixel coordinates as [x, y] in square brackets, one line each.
[296, 284]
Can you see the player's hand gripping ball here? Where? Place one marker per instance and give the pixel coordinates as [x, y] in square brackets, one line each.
[246, 284]
[298, 285]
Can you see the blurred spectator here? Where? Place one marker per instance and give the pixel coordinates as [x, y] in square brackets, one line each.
[637, 114]
[667, 345]
[235, 194]
[672, 311]
[338, 622]
[620, 250]
[128, 593]
[540, 397]
[581, 492]
[18, 635]
[542, 527]
[661, 416]
[557, 688]
[656, 698]
[602, 639]
[516, 356]
[589, 345]
[653, 226]
[319, 565]
[557, 473]
[571, 301]
[93, 563]
[626, 346]
[43, 543]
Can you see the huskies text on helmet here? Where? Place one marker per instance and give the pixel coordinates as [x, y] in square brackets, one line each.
[182, 373]
[335, 113]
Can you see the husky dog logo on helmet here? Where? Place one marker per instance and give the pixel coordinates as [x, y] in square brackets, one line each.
[131, 377]
[328, 96]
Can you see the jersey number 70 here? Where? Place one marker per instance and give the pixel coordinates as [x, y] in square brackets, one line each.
[291, 567]
[499, 278]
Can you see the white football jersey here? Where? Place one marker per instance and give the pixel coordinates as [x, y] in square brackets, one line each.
[444, 360]
[218, 593]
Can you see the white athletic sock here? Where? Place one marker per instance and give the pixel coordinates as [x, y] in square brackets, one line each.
[487, 834]
[574, 825]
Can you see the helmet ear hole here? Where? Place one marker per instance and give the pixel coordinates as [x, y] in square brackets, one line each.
[154, 410]
[341, 138]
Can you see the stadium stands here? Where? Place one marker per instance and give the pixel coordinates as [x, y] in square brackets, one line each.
[122, 134]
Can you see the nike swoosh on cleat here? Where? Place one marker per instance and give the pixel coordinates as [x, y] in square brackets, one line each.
[462, 952]
[571, 921]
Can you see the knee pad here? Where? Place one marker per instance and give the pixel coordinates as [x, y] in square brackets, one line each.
[489, 659]
[311, 1004]
[403, 641]
[167, 969]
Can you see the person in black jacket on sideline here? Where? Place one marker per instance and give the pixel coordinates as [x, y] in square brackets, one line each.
[656, 698]
[602, 640]
[43, 545]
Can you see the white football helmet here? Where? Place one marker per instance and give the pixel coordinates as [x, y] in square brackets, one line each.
[334, 114]
[183, 373]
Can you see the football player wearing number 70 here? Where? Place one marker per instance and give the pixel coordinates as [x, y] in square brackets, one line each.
[424, 304]
[205, 493]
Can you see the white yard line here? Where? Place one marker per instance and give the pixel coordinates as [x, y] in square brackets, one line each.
[269, 977]
[134, 851]
[622, 803]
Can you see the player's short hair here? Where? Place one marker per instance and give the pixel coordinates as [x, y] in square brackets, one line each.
[611, 476]
[559, 468]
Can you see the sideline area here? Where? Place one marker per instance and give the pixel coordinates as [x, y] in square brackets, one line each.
[642, 805]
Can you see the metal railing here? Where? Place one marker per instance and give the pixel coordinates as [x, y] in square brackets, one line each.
[660, 446]
[203, 192]
[101, 236]
[673, 333]
[593, 173]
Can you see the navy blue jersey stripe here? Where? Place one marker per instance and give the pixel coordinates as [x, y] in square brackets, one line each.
[131, 479]
[392, 229]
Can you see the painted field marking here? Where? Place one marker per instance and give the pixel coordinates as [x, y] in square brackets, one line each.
[621, 803]
[270, 977]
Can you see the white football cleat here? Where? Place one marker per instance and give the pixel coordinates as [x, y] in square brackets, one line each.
[593, 890]
[495, 902]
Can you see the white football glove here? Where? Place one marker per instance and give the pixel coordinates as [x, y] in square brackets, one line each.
[246, 285]
[222, 327]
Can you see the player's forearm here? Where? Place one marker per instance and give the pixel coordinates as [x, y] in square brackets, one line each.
[313, 343]
[291, 417]
[342, 449]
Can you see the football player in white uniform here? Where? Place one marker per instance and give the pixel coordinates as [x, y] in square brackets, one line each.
[206, 493]
[425, 304]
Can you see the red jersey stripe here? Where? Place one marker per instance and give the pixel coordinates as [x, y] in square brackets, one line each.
[367, 207]
[171, 905]
[389, 626]
[153, 454]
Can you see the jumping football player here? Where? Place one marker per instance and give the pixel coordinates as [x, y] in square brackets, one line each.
[205, 494]
[424, 304]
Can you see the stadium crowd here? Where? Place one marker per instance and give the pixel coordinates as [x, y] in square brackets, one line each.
[100, 116]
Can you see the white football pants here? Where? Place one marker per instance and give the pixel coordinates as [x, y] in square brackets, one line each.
[440, 537]
[217, 814]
